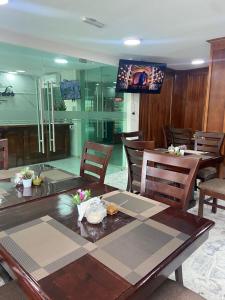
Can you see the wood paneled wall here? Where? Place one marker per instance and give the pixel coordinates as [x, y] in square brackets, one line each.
[180, 104]
[189, 99]
[155, 111]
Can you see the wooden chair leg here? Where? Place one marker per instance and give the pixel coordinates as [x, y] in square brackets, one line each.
[214, 206]
[201, 203]
[179, 275]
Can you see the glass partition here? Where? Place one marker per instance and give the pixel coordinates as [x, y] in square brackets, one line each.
[98, 114]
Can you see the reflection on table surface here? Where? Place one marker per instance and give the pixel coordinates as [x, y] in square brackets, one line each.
[54, 181]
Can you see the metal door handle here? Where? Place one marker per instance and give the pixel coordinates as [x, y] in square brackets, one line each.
[41, 141]
[53, 118]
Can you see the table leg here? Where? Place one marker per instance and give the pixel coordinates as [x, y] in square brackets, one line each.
[179, 275]
[201, 203]
[214, 206]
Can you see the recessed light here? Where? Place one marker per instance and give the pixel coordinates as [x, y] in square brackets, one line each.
[132, 42]
[197, 61]
[3, 2]
[20, 71]
[61, 61]
[10, 76]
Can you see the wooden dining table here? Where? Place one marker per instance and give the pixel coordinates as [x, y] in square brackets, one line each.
[116, 262]
[55, 181]
[206, 159]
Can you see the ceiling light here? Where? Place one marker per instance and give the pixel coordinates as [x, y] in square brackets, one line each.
[3, 2]
[10, 76]
[20, 71]
[114, 82]
[61, 61]
[132, 42]
[197, 61]
[12, 72]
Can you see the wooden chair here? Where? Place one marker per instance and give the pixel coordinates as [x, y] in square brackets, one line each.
[133, 135]
[167, 135]
[134, 153]
[4, 160]
[168, 179]
[172, 290]
[215, 189]
[177, 137]
[12, 291]
[208, 142]
[182, 136]
[94, 161]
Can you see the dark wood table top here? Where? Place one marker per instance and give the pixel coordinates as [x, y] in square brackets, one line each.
[87, 278]
[17, 195]
[207, 159]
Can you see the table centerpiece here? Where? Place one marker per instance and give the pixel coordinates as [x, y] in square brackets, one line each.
[91, 208]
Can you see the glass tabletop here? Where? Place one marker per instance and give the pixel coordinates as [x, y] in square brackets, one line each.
[54, 181]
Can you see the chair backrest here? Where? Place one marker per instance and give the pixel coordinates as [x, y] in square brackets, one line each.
[177, 136]
[94, 161]
[209, 141]
[182, 136]
[168, 179]
[4, 159]
[134, 153]
[167, 135]
[133, 135]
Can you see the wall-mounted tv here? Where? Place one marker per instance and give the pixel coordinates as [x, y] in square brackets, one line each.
[140, 77]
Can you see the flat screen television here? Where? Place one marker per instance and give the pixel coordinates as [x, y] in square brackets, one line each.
[70, 89]
[140, 77]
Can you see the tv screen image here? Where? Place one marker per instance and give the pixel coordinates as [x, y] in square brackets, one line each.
[140, 77]
[70, 89]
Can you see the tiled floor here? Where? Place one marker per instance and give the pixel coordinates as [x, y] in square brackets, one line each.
[204, 271]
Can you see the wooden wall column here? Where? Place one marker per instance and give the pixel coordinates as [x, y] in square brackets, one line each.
[215, 102]
[214, 118]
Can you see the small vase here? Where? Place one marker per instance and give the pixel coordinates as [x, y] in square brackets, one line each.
[80, 212]
[27, 183]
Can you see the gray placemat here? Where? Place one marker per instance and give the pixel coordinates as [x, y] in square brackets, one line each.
[134, 205]
[6, 174]
[137, 248]
[44, 246]
[57, 175]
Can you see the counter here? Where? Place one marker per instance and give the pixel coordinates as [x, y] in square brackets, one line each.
[24, 146]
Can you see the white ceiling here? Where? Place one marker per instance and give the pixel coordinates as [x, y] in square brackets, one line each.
[36, 62]
[173, 31]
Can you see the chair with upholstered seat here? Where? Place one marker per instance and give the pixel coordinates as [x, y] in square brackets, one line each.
[134, 153]
[12, 291]
[94, 161]
[133, 135]
[208, 142]
[215, 188]
[172, 290]
[4, 154]
[168, 179]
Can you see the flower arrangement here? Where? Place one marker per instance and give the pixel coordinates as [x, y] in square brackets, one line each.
[81, 196]
[27, 173]
[178, 151]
